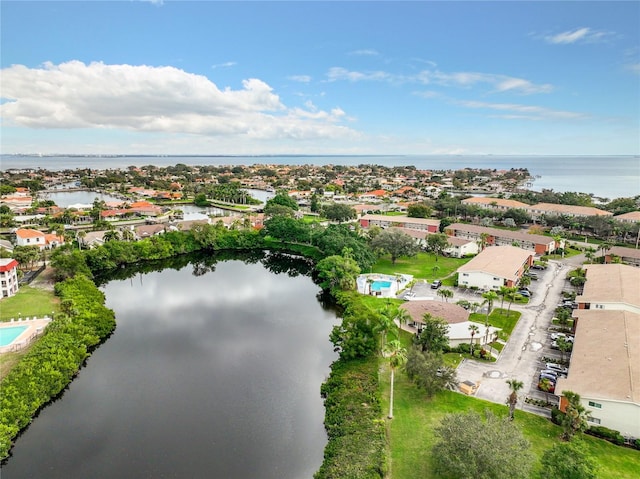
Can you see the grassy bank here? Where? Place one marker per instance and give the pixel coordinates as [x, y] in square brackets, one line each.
[28, 302]
[411, 432]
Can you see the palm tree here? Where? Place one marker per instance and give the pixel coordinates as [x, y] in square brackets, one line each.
[490, 297]
[403, 317]
[512, 400]
[575, 417]
[546, 386]
[370, 282]
[385, 323]
[504, 290]
[127, 234]
[445, 294]
[397, 356]
[473, 329]
[80, 235]
[111, 235]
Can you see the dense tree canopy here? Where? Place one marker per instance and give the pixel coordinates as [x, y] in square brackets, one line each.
[429, 371]
[567, 461]
[470, 447]
[394, 242]
[339, 212]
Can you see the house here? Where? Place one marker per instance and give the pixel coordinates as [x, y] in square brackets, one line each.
[461, 247]
[145, 231]
[605, 369]
[375, 196]
[496, 204]
[8, 277]
[456, 317]
[605, 362]
[30, 237]
[552, 209]
[384, 221]
[495, 267]
[626, 255]
[92, 239]
[540, 244]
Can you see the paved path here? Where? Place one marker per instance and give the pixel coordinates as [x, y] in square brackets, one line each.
[520, 357]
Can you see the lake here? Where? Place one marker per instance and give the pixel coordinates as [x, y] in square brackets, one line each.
[214, 370]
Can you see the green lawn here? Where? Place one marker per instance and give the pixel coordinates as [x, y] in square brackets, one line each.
[415, 416]
[29, 301]
[499, 319]
[422, 266]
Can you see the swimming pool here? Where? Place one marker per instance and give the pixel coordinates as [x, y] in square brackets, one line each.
[8, 335]
[379, 285]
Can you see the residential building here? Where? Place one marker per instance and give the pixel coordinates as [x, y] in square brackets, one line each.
[552, 209]
[540, 244]
[605, 361]
[631, 217]
[495, 267]
[496, 204]
[456, 317]
[461, 247]
[611, 287]
[30, 237]
[8, 277]
[626, 255]
[384, 221]
[605, 369]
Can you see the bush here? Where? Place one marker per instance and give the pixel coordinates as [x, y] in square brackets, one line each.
[357, 443]
[556, 416]
[610, 435]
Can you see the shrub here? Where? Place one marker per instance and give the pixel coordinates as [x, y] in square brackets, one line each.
[556, 416]
[610, 435]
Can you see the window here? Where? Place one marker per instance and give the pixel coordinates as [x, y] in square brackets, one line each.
[594, 420]
[595, 404]
[465, 274]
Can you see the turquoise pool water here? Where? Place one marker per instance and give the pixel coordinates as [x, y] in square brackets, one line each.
[378, 285]
[8, 335]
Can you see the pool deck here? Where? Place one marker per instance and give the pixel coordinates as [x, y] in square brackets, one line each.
[35, 327]
[391, 291]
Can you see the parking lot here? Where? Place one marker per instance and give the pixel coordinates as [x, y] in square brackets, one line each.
[530, 341]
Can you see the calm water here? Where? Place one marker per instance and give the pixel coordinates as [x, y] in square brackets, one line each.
[604, 176]
[216, 375]
[64, 199]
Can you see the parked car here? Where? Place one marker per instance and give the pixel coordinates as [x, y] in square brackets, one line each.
[524, 292]
[533, 276]
[538, 266]
[549, 372]
[567, 337]
[436, 284]
[557, 367]
[550, 377]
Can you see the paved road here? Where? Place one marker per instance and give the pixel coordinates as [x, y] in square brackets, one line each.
[520, 358]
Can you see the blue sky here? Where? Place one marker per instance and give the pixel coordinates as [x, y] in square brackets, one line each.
[204, 77]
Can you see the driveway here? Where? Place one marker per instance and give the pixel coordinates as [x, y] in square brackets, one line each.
[520, 358]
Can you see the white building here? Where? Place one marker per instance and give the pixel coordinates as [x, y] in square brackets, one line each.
[495, 267]
[605, 362]
[8, 277]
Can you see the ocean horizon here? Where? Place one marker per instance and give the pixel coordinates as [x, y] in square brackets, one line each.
[605, 177]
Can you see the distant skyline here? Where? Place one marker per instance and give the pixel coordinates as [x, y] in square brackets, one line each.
[352, 78]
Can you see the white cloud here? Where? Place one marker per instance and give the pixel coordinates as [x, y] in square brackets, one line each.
[582, 35]
[499, 83]
[633, 67]
[300, 78]
[339, 73]
[365, 52]
[518, 111]
[224, 65]
[153, 99]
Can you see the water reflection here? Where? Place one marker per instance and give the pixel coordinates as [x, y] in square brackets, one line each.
[206, 376]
